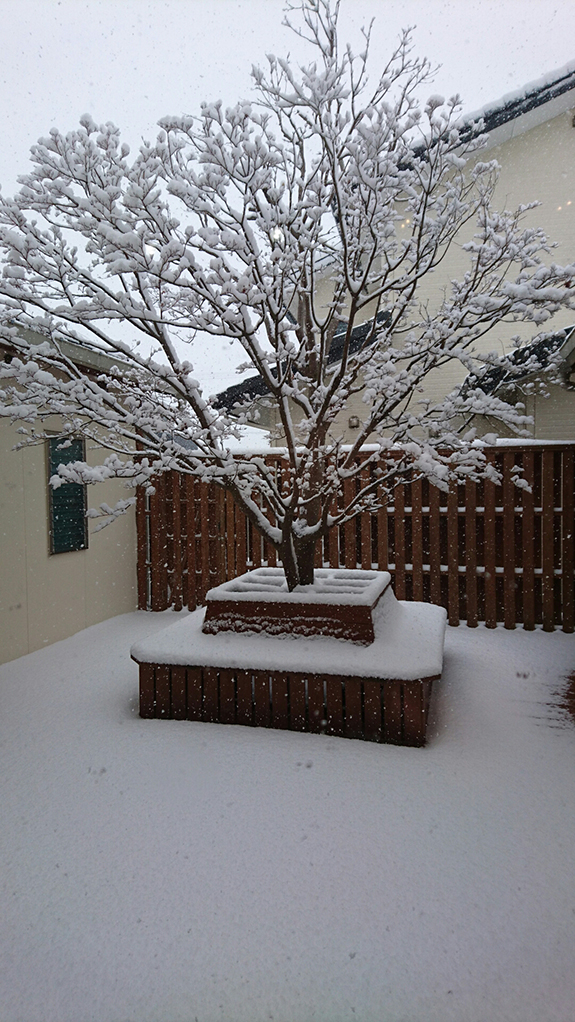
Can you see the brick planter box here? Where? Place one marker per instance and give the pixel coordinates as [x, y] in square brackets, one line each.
[377, 692]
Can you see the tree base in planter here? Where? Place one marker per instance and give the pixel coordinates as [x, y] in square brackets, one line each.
[340, 604]
[378, 692]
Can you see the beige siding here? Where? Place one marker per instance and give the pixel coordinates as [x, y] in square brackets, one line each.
[46, 597]
[537, 165]
[555, 416]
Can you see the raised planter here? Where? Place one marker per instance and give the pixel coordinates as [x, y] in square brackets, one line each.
[340, 604]
[376, 691]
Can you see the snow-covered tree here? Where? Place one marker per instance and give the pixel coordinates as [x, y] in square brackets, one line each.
[222, 228]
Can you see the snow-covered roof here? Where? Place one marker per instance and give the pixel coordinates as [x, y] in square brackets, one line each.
[82, 353]
[536, 356]
[254, 386]
[525, 108]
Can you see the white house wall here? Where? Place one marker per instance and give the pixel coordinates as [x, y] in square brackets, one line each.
[538, 165]
[46, 597]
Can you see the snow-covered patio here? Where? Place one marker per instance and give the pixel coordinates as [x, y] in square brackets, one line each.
[159, 871]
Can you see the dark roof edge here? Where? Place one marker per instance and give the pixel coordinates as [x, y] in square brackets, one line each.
[514, 106]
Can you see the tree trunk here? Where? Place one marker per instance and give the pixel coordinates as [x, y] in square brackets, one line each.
[305, 553]
[298, 558]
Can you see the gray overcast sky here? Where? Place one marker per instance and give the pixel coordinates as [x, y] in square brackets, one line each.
[132, 61]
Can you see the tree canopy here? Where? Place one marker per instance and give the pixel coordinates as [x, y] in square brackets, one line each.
[229, 225]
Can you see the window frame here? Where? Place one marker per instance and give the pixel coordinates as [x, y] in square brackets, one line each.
[79, 539]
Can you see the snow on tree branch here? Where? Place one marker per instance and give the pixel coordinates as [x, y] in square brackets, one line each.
[236, 223]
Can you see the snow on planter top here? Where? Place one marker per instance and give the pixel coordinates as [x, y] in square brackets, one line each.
[408, 646]
[339, 604]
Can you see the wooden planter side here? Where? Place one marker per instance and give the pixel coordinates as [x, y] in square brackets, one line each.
[394, 712]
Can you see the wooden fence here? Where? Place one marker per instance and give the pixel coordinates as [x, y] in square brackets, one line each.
[484, 552]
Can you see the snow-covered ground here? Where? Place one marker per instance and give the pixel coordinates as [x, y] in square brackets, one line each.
[156, 871]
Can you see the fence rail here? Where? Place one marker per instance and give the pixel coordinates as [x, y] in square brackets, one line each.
[486, 552]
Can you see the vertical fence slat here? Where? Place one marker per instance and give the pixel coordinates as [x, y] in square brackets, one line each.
[315, 702]
[227, 712]
[434, 546]
[178, 693]
[353, 725]
[241, 525]
[261, 699]
[547, 460]
[158, 545]
[230, 538]
[279, 702]
[417, 539]
[471, 552]
[204, 564]
[210, 709]
[453, 555]
[366, 560]
[391, 694]
[399, 540]
[194, 687]
[333, 542]
[191, 595]
[245, 708]
[568, 529]
[490, 554]
[163, 694]
[414, 716]
[177, 541]
[509, 579]
[334, 706]
[297, 714]
[372, 710]
[349, 527]
[382, 538]
[256, 548]
[147, 691]
[527, 542]
[217, 531]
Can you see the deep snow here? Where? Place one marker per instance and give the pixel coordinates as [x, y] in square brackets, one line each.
[158, 871]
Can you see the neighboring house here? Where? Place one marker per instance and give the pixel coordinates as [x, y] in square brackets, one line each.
[250, 394]
[56, 575]
[542, 377]
[532, 136]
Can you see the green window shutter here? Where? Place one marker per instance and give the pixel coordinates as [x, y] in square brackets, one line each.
[67, 503]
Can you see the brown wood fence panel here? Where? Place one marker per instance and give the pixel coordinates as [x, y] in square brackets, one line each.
[486, 552]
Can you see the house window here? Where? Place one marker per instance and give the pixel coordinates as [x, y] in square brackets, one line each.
[68, 526]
